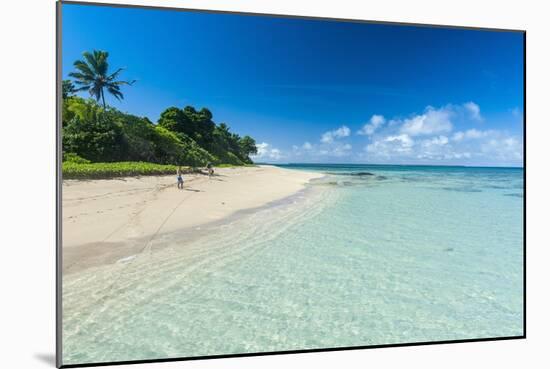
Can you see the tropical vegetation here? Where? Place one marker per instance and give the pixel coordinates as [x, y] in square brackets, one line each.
[75, 170]
[92, 75]
[100, 141]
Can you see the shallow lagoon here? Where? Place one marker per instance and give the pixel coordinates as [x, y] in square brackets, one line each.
[407, 254]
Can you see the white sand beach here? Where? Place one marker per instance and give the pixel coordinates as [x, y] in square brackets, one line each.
[106, 220]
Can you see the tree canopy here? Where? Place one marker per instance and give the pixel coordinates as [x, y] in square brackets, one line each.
[99, 133]
[181, 137]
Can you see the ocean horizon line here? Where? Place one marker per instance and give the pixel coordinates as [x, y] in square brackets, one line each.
[396, 165]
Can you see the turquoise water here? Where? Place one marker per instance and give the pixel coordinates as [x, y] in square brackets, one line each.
[366, 255]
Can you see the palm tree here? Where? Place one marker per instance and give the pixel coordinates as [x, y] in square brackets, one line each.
[93, 75]
[67, 89]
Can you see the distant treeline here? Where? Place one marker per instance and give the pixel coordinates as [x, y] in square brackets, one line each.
[186, 137]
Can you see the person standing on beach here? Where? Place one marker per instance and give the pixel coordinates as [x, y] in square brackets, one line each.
[210, 170]
[180, 178]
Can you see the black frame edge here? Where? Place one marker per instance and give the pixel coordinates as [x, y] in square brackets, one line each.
[289, 352]
[525, 184]
[58, 184]
[306, 17]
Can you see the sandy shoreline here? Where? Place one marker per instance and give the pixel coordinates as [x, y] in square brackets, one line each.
[108, 220]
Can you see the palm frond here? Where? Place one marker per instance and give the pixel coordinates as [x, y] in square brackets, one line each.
[116, 93]
[92, 75]
[90, 61]
[82, 88]
[115, 74]
[101, 61]
[129, 83]
[83, 68]
[80, 78]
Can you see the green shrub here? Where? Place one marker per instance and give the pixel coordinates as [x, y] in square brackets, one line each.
[74, 158]
[93, 133]
[72, 170]
[193, 154]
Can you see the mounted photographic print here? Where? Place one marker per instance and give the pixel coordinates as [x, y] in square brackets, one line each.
[241, 184]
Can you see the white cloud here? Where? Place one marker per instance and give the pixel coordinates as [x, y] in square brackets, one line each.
[458, 136]
[436, 121]
[334, 149]
[461, 155]
[261, 148]
[399, 144]
[391, 146]
[275, 154]
[329, 136]
[375, 122]
[403, 139]
[471, 134]
[436, 141]
[341, 150]
[267, 152]
[433, 121]
[308, 151]
[422, 138]
[503, 148]
[474, 133]
[474, 111]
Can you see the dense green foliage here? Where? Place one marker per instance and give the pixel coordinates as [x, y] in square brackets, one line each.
[73, 170]
[227, 147]
[68, 88]
[100, 135]
[92, 133]
[96, 133]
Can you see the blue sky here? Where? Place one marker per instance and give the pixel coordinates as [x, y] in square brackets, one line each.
[319, 91]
